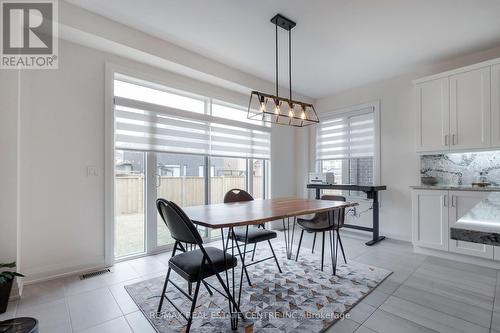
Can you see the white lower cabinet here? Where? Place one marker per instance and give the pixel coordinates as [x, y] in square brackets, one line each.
[434, 212]
[460, 203]
[430, 219]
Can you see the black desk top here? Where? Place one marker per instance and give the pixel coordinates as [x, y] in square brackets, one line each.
[348, 187]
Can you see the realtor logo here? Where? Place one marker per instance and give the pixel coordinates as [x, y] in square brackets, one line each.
[29, 34]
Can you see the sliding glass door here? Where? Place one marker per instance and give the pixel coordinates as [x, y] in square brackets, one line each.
[186, 179]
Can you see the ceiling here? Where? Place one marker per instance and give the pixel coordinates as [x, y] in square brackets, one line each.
[337, 44]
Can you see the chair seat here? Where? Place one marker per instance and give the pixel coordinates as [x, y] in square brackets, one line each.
[315, 225]
[187, 264]
[255, 235]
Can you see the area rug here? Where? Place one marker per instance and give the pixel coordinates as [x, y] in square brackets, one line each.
[301, 299]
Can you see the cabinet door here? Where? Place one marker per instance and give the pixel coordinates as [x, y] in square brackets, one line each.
[461, 202]
[470, 112]
[495, 105]
[433, 111]
[430, 219]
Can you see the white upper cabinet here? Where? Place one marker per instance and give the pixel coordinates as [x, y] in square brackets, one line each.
[495, 105]
[470, 113]
[433, 110]
[459, 110]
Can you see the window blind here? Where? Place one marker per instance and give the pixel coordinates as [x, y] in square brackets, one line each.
[348, 135]
[152, 127]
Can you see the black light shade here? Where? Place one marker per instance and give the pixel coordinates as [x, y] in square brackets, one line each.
[281, 111]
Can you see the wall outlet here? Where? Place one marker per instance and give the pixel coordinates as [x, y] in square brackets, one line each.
[92, 171]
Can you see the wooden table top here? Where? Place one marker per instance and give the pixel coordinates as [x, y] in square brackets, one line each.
[258, 211]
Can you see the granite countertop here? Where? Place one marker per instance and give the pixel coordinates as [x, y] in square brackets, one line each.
[484, 217]
[457, 188]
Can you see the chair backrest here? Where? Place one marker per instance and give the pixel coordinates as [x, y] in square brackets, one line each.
[338, 219]
[338, 214]
[237, 195]
[178, 223]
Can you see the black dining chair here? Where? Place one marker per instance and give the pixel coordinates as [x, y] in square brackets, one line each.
[193, 266]
[255, 234]
[321, 223]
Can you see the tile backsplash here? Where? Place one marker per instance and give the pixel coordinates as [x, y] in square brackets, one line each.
[462, 168]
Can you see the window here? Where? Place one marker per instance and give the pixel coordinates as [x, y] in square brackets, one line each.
[182, 147]
[346, 146]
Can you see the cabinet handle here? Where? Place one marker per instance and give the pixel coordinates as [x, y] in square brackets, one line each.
[453, 201]
[445, 204]
[446, 139]
[453, 139]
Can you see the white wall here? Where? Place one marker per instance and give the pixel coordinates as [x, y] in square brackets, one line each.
[8, 165]
[399, 162]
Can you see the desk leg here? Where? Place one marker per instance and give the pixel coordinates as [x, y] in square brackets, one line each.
[376, 228]
[318, 194]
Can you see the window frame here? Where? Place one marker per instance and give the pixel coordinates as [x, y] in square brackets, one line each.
[354, 110]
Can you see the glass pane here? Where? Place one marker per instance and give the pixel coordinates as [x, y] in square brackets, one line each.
[179, 178]
[258, 179]
[226, 173]
[232, 112]
[334, 166]
[157, 96]
[129, 203]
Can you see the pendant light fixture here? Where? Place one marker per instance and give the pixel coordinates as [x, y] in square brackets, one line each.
[276, 109]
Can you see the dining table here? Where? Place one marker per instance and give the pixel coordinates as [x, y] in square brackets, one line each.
[227, 216]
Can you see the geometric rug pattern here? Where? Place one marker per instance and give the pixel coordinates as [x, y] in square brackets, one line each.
[301, 299]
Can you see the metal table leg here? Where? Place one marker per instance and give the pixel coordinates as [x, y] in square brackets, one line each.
[288, 237]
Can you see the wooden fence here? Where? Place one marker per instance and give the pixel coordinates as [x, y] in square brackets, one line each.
[185, 191]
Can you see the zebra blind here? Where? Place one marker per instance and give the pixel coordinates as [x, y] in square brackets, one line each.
[144, 126]
[344, 136]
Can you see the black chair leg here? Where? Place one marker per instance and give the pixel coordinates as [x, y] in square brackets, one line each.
[300, 242]
[193, 305]
[314, 242]
[323, 252]
[163, 292]
[341, 246]
[229, 296]
[333, 255]
[190, 288]
[253, 252]
[274, 255]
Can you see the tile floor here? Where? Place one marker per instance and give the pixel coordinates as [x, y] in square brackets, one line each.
[424, 294]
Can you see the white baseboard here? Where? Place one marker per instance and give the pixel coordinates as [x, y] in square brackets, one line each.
[458, 257]
[62, 270]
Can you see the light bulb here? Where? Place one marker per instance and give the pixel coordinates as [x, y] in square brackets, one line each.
[277, 109]
[290, 113]
[303, 115]
[262, 104]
